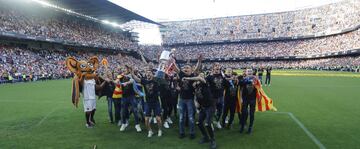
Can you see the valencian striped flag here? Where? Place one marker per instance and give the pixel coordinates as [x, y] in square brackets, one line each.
[263, 102]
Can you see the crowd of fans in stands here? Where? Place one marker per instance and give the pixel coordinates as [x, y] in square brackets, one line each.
[351, 64]
[24, 64]
[318, 21]
[343, 42]
[50, 24]
[20, 64]
[304, 47]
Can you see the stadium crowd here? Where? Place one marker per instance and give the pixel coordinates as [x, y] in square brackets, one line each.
[318, 21]
[304, 47]
[25, 64]
[50, 24]
[22, 64]
[351, 64]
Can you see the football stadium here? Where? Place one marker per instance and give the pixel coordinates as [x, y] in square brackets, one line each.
[226, 74]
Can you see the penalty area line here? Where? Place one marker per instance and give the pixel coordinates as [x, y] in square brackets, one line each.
[302, 126]
[45, 117]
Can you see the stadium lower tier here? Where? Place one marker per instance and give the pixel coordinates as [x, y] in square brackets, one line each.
[348, 63]
[22, 64]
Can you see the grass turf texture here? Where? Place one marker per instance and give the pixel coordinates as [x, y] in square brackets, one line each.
[40, 115]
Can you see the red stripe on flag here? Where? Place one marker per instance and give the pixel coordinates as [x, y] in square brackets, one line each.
[259, 104]
[117, 92]
[266, 103]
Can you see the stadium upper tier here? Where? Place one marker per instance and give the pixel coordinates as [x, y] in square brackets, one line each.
[306, 23]
[302, 47]
[36, 21]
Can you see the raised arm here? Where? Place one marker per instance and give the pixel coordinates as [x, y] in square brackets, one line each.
[198, 64]
[135, 77]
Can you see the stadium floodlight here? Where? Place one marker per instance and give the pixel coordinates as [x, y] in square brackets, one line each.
[43, 3]
[105, 21]
[114, 24]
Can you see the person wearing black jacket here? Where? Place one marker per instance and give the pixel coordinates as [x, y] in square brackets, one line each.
[268, 76]
[206, 105]
[165, 96]
[108, 92]
[174, 98]
[230, 97]
[260, 74]
[186, 100]
[248, 98]
[152, 103]
[217, 83]
[128, 100]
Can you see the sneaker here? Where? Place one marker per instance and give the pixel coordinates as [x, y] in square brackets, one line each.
[89, 126]
[227, 120]
[137, 127]
[155, 121]
[230, 126]
[92, 123]
[123, 127]
[192, 136]
[218, 125]
[249, 130]
[150, 134]
[212, 144]
[119, 123]
[181, 136]
[204, 140]
[169, 120]
[241, 129]
[166, 125]
[159, 133]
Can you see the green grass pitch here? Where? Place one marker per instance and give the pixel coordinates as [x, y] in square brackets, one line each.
[40, 115]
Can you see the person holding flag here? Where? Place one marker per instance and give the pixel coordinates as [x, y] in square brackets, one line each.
[248, 99]
[230, 96]
[253, 97]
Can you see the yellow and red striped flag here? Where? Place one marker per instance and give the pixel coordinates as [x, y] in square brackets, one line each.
[263, 102]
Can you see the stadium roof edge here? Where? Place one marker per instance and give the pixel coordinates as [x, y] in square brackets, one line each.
[102, 10]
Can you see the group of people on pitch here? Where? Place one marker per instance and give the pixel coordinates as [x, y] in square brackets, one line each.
[211, 94]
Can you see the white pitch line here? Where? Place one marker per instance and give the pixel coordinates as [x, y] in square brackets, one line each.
[302, 126]
[45, 117]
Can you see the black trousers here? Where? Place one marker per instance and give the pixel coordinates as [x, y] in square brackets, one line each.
[267, 80]
[205, 121]
[166, 105]
[117, 105]
[173, 104]
[245, 111]
[229, 106]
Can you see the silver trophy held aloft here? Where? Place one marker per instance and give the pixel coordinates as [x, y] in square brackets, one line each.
[166, 63]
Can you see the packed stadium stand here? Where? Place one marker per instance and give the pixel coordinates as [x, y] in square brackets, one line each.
[325, 36]
[35, 40]
[312, 22]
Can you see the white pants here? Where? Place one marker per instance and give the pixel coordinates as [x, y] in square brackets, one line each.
[89, 104]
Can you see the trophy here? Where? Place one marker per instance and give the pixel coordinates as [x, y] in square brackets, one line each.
[166, 64]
